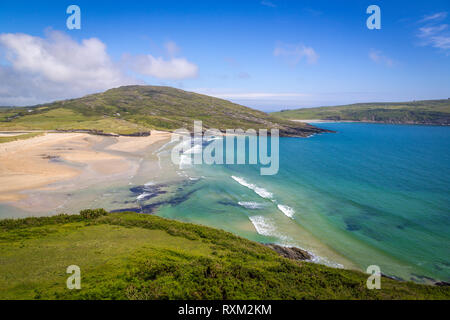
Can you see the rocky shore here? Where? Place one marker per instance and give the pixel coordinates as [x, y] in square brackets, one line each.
[292, 253]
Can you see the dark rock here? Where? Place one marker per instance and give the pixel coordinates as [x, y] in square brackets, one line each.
[290, 253]
[138, 134]
[88, 131]
[391, 277]
[442, 284]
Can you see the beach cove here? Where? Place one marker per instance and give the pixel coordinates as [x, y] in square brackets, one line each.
[66, 172]
[352, 199]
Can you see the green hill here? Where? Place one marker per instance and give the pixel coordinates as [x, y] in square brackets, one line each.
[433, 112]
[136, 256]
[133, 109]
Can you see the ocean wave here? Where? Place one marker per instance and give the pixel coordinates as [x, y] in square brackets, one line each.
[196, 149]
[288, 211]
[185, 161]
[263, 225]
[263, 193]
[214, 138]
[192, 146]
[266, 227]
[143, 196]
[251, 205]
[164, 146]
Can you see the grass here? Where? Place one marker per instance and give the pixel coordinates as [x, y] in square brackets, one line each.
[20, 137]
[418, 112]
[67, 119]
[134, 109]
[135, 256]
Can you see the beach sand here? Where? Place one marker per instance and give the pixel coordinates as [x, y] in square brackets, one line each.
[37, 163]
[134, 144]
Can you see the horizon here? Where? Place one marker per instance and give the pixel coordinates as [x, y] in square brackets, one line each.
[268, 55]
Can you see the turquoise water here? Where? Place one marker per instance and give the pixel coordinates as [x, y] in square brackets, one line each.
[369, 194]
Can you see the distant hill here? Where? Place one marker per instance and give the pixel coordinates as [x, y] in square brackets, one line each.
[132, 109]
[433, 112]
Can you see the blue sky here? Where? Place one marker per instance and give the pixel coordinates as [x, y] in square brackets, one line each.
[266, 54]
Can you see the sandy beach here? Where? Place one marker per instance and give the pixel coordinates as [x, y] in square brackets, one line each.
[37, 163]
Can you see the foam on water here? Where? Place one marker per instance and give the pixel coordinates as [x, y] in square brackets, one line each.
[403, 215]
[263, 226]
[251, 205]
[288, 211]
[194, 150]
[263, 193]
[185, 161]
[143, 196]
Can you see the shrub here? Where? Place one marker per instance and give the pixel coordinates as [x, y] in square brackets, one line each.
[93, 213]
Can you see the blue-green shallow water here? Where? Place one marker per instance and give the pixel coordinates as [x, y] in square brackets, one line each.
[374, 194]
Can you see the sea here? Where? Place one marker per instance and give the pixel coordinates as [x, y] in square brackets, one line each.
[365, 195]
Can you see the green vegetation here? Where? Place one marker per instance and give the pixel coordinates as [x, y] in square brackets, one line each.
[133, 109]
[93, 213]
[66, 119]
[436, 112]
[136, 256]
[20, 137]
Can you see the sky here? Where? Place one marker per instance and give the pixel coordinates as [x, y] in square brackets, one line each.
[266, 54]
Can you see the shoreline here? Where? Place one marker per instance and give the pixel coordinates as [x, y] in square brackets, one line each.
[315, 121]
[66, 161]
[78, 160]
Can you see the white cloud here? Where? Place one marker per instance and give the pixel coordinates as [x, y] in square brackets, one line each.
[258, 95]
[243, 75]
[39, 70]
[433, 17]
[441, 42]
[170, 69]
[379, 57]
[233, 95]
[429, 31]
[172, 48]
[434, 34]
[295, 53]
[54, 67]
[268, 3]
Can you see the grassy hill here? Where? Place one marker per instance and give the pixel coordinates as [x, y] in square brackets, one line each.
[435, 112]
[136, 256]
[132, 109]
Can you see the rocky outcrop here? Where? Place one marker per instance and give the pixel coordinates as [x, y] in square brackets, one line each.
[442, 284]
[290, 253]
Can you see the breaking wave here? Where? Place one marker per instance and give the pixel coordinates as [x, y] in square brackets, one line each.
[263, 193]
[288, 211]
[263, 226]
[251, 205]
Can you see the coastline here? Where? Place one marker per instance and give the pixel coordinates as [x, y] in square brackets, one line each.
[67, 172]
[127, 174]
[31, 169]
[315, 121]
[323, 121]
